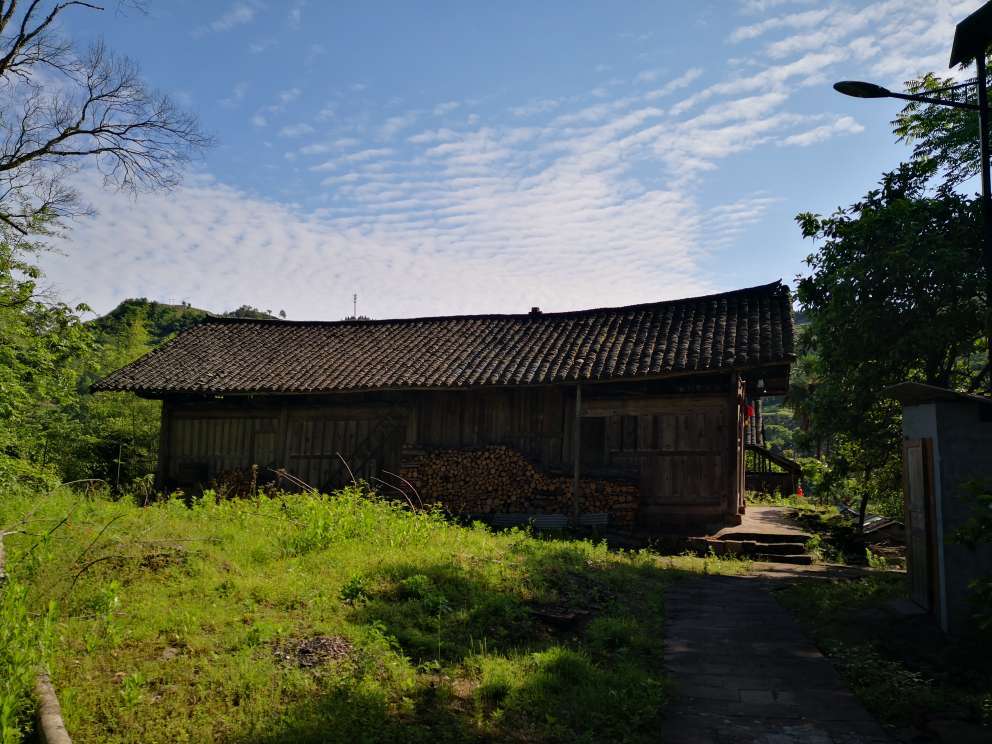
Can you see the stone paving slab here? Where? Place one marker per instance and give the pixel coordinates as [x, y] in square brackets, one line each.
[746, 674]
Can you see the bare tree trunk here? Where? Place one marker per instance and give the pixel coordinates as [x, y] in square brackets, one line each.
[864, 503]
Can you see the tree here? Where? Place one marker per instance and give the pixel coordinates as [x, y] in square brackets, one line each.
[895, 292]
[118, 440]
[42, 344]
[63, 107]
[946, 137]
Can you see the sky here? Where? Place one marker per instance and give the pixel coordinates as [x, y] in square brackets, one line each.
[441, 158]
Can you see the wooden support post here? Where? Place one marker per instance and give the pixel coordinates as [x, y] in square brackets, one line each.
[735, 469]
[759, 423]
[576, 449]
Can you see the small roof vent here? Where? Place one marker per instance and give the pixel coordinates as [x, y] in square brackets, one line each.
[535, 311]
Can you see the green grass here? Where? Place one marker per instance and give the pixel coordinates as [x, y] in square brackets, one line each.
[901, 668]
[172, 623]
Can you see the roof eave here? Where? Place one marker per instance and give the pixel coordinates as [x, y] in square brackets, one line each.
[787, 360]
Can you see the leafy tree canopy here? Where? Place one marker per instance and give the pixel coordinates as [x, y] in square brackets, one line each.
[947, 137]
[895, 292]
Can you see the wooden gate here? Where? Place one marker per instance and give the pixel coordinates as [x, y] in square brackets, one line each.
[921, 553]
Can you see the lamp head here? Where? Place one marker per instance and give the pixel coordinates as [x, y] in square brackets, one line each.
[859, 89]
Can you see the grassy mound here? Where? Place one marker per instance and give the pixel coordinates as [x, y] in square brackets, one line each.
[334, 618]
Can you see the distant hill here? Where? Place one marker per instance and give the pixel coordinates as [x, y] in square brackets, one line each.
[161, 320]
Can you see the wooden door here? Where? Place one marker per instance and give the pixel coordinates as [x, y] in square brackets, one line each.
[921, 554]
[689, 466]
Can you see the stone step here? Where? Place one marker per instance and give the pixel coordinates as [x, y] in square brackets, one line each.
[799, 559]
[750, 549]
[793, 548]
[765, 537]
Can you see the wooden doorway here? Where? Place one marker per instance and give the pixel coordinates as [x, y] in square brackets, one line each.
[921, 549]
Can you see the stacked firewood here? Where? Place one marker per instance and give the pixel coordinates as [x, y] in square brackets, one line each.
[500, 480]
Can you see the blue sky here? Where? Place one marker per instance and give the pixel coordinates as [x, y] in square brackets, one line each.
[467, 157]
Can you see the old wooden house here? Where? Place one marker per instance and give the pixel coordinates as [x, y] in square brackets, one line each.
[639, 411]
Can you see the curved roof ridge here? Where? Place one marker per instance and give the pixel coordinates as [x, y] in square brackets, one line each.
[214, 318]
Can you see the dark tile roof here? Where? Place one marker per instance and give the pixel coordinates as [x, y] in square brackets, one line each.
[742, 329]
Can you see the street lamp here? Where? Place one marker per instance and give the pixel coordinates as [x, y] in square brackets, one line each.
[971, 40]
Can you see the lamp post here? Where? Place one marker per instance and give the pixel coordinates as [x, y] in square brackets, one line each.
[971, 40]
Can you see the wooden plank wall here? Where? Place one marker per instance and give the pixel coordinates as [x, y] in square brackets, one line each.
[209, 439]
[678, 445]
[527, 419]
[202, 446]
[680, 448]
[368, 441]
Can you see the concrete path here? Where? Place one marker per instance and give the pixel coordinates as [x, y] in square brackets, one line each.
[744, 672]
[765, 520]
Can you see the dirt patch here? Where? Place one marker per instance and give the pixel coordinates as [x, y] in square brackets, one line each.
[309, 653]
[162, 559]
[561, 615]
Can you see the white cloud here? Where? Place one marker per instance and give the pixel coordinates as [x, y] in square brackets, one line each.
[314, 52]
[647, 76]
[762, 6]
[446, 108]
[236, 97]
[237, 14]
[295, 15]
[843, 125]
[794, 21]
[684, 80]
[283, 99]
[322, 148]
[433, 135]
[396, 124]
[257, 47]
[361, 156]
[541, 106]
[500, 212]
[296, 130]
[309, 264]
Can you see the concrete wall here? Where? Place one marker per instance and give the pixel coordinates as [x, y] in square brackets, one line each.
[961, 436]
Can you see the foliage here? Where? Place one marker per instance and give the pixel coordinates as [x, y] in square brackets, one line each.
[814, 473]
[948, 137]
[170, 617]
[887, 688]
[161, 321]
[41, 343]
[899, 671]
[876, 561]
[51, 428]
[902, 264]
[20, 656]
